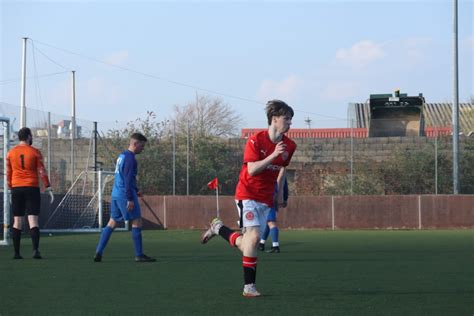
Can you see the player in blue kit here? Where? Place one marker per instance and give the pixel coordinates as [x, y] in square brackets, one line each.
[125, 204]
[272, 228]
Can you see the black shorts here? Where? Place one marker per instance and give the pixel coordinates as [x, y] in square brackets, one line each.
[26, 200]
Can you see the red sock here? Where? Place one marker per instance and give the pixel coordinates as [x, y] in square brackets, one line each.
[233, 238]
[229, 235]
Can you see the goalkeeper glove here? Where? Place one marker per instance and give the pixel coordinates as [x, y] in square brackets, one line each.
[49, 190]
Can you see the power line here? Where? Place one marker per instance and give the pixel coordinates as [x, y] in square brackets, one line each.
[321, 115]
[46, 56]
[151, 75]
[173, 81]
[9, 81]
[39, 99]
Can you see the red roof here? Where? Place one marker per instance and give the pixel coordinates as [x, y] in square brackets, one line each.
[337, 132]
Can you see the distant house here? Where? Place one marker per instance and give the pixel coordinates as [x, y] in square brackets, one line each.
[64, 129]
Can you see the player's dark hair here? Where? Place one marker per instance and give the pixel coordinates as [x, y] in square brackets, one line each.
[277, 108]
[139, 137]
[23, 134]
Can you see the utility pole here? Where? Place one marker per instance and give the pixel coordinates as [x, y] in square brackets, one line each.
[455, 109]
[308, 122]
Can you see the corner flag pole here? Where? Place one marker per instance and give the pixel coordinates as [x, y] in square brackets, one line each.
[214, 185]
[217, 201]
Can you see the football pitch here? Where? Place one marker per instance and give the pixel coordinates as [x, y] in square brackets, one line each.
[317, 273]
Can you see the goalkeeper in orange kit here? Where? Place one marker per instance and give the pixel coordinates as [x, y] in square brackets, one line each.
[24, 168]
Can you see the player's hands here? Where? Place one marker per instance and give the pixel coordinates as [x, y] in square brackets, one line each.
[49, 190]
[130, 205]
[139, 194]
[279, 149]
[280, 204]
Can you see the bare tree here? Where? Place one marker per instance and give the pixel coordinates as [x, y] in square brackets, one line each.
[207, 117]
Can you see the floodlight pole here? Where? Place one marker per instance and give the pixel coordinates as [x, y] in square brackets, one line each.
[187, 159]
[73, 122]
[49, 145]
[455, 108]
[174, 157]
[352, 156]
[23, 87]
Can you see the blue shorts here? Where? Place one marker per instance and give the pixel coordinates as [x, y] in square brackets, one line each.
[272, 215]
[120, 213]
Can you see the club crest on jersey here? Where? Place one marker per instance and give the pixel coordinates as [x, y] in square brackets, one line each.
[285, 155]
[249, 216]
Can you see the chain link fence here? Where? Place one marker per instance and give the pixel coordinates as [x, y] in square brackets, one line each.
[340, 161]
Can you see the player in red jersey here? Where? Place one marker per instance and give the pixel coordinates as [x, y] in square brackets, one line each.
[265, 157]
[24, 167]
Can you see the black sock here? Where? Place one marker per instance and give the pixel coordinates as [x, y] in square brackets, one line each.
[225, 232]
[250, 269]
[35, 237]
[250, 274]
[16, 237]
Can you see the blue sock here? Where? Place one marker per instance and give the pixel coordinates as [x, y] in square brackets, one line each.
[274, 234]
[104, 239]
[264, 235]
[137, 240]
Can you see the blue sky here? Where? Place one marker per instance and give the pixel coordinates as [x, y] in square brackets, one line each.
[317, 55]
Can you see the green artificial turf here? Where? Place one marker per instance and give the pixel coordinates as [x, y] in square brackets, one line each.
[317, 273]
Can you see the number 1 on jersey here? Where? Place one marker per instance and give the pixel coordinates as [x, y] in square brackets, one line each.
[22, 158]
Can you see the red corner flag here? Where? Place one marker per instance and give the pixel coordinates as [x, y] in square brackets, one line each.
[213, 184]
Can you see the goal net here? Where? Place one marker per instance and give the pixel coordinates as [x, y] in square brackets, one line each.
[86, 205]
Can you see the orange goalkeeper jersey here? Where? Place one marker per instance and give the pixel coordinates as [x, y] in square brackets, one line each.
[25, 166]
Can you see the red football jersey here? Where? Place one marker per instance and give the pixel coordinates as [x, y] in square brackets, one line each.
[260, 187]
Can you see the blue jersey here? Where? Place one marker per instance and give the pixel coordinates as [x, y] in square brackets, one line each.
[272, 213]
[125, 183]
[285, 190]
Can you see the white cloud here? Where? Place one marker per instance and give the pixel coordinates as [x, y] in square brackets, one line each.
[98, 91]
[340, 91]
[117, 58]
[95, 91]
[285, 89]
[360, 54]
[413, 52]
[60, 93]
[467, 43]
